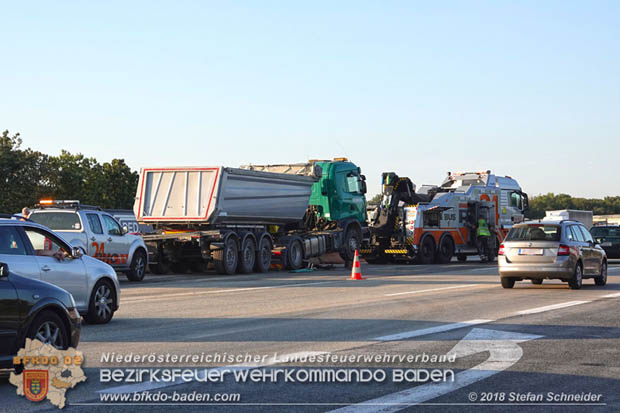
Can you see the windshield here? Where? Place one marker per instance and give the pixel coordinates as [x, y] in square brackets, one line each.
[57, 221]
[534, 233]
[605, 232]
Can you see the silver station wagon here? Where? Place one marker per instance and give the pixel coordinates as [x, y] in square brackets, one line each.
[562, 250]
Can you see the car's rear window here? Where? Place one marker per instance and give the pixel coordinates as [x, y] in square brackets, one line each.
[57, 221]
[605, 232]
[535, 233]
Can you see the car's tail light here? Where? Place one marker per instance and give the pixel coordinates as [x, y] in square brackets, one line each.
[563, 250]
[501, 250]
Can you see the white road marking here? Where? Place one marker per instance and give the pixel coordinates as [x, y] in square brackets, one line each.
[551, 307]
[432, 289]
[504, 352]
[145, 386]
[430, 330]
[614, 295]
[139, 299]
[495, 268]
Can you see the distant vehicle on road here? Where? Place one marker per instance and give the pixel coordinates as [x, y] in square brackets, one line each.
[34, 309]
[562, 250]
[33, 251]
[585, 217]
[609, 238]
[98, 233]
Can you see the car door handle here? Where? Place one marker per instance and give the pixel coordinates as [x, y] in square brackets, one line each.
[93, 238]
[109, 239]
[46, 268]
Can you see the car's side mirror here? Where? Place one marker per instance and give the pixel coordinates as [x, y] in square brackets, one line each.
[4, 269]
[76, 252]
[125, 229]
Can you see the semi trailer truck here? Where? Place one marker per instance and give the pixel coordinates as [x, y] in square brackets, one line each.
[435, 223]
[243, 219]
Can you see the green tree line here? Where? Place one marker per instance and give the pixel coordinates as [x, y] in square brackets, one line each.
[549, 202]
[26, 176]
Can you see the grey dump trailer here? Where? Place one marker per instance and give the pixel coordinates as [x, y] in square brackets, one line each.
[234, 219]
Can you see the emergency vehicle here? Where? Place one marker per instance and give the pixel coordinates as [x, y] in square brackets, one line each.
[436, 223]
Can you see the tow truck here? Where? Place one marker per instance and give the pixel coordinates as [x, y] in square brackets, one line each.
[435, 223]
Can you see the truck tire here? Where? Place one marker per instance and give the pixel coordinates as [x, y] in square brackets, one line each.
[352, 242]
[225, 259]
[263, 256]
[445, 250]
[426, 254]
[294, 255]
[137, 268]
[247, 256]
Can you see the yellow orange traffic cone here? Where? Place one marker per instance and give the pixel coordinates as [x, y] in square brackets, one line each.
[356, 270]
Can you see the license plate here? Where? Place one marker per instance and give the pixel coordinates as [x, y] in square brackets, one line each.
[606, 244]
[530, 251]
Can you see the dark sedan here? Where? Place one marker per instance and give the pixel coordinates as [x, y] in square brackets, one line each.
[34, 309]
[609, 238]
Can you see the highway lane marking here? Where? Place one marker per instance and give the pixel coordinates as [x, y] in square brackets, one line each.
[432, 289]
[393, 337]
[550, 307]
[431, 330]
[504, 352]
[232, 290]
[146, 386]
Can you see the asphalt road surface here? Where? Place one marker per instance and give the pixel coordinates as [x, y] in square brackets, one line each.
[532, 348]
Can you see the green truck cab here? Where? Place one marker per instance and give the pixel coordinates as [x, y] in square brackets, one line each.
[340, 192]
[338, 200]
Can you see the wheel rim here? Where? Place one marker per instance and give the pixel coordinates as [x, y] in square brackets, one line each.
[248, 253]
[266, 255]
[140, 266]
[352, 244]
[103, 302]
[295, 253]
[230, 255]
[446, 248]
[426, 249]
[50, 333]
[578, 275]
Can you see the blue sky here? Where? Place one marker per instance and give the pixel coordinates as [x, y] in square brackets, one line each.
[529, 89]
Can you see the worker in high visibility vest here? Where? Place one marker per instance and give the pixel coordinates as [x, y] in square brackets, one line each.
[482, 235]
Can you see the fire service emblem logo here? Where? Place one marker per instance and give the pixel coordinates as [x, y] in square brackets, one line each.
[35, 384]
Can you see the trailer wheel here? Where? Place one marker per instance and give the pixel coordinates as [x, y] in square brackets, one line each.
[225, 259]
[294, 255]
[427, 251]
[263, 256]
[445, 250]
[247, 256]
